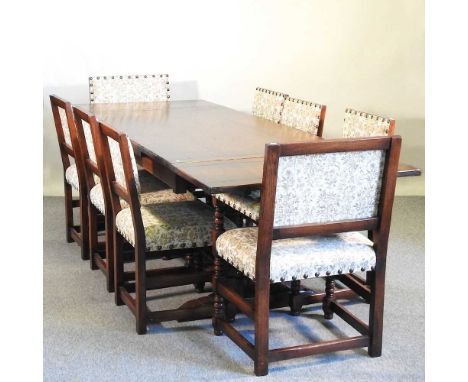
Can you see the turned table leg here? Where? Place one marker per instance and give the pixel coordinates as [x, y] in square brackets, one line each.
[218, 303]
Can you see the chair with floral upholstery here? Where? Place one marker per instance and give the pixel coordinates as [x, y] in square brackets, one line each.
[129, 88]
[154, 231]
[303, 115]
[361, 124]
[268, 104]
[70, 154]
[151, 191]
[315, 198]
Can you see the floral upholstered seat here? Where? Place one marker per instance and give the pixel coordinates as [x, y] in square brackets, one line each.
[302, 115]
[249, 204]
[268, 104]
[129, 88]
[152, 197]
[171, 225]
[360, 124]
[71, 175]
[299, 258]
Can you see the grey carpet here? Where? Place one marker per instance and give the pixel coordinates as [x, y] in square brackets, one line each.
[88, 338]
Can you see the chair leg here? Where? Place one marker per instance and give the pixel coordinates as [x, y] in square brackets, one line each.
[329, 296]
[68, 211]
[93, 236]
[84, 227]
[118, 266]
[294, 305]
[198, 265]
[110, 268]
[376, 311]
[369, 276]
[218, 301]
[262, 311]
[140, 289]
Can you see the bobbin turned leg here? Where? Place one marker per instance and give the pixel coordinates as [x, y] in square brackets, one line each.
[218, 303]
[294, 303]
[329, 296]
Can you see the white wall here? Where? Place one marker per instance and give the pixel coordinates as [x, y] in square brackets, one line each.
[365, 54]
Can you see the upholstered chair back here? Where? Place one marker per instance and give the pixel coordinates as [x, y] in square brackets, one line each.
[84, 131]
[328, 187]
[85, 123]
[117, 163]
[303, 115]
[129, 88]
[59, 111]
[65, 128]
[268, 104]
[360, 124]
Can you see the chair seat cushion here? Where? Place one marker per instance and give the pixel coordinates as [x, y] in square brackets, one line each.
[163, 196]
[299, 258]
[249, 204]
[71, 176]
[171, 225]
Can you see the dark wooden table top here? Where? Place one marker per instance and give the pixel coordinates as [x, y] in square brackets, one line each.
[211, 146]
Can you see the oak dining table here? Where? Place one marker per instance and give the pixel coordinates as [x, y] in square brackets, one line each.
[199, 145]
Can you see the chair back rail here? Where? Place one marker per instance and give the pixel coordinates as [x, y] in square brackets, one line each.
[373, 214]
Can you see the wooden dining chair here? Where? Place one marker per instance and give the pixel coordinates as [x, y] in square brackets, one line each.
[268, 104]
[315, 197]
[303, 115]
[361, 124]
[154, 231]
[151, 191]
[71, 160]
[129, 88]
